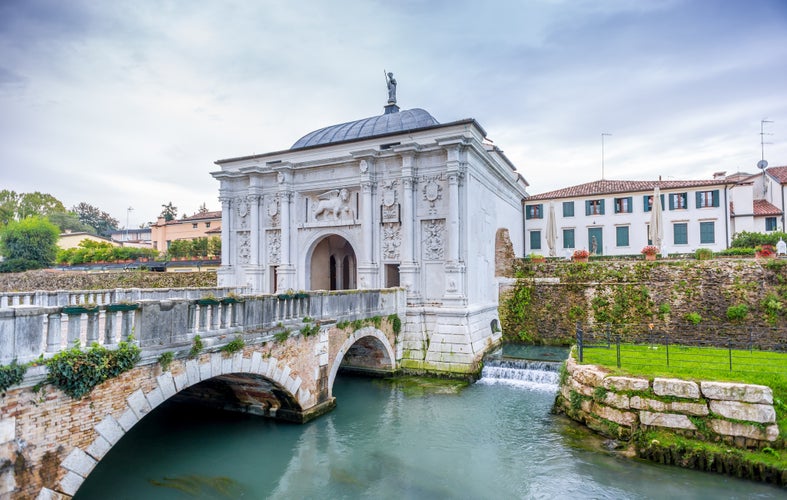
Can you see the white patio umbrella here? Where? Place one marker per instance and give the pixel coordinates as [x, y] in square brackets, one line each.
[551, 231]
[656, 229]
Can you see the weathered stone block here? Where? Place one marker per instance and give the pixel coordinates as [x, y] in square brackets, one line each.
[744, 411]
[619, 417]
[747, 393]
[71, 483]
[47, 494]
[585, 390]
[80, 462]
[127, 420]
[641, 403]
[589, 375]
[7, 429]
[676, 387]
[110, 429]
[670, 420]
[167, 384]
[737, 429]
[626, 384]
[98, 448]
[696, 409]
[617, 400]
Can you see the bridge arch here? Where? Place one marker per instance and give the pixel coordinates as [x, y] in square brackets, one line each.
[249, 370]
[331, 261]
[368, 338]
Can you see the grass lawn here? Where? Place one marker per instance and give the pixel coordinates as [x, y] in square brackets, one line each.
[700, 363]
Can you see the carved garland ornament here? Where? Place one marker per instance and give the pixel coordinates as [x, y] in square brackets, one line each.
[391, 241]
[244, 247]
[274, 247]
[434, 239]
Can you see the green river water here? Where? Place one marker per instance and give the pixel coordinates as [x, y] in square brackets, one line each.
[411, 439]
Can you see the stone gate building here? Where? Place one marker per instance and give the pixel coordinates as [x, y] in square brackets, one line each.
[392, 200]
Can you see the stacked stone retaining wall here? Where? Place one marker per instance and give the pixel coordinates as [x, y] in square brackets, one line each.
[741, 415]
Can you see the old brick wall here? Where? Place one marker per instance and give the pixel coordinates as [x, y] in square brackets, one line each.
[549, 299]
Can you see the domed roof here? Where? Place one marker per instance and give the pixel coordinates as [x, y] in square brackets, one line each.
[390, 122]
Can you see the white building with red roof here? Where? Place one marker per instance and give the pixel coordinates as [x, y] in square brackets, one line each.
[611, 217]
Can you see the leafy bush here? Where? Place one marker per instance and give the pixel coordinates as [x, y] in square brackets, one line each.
[703, 253]
[737, 312]
[32, 239]
[166, 359]
[745, 239]
[18, 265]
[11, 375]
[694, 318]
[196, 347]
[737, 252]
[77, 372]
[234, 345]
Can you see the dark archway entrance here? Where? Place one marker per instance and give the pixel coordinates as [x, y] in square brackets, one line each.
[333, 265]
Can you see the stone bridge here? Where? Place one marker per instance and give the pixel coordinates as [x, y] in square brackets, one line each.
[293, 345]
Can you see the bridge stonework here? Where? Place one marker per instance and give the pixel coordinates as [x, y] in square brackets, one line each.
[49, 442]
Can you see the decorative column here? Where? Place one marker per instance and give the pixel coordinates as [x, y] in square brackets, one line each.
[255, 271]
[454, 265]
[286, 271]
[368, 271]
[225, 274]
[408, 267]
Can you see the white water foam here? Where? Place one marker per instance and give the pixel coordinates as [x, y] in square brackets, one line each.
[534, 375]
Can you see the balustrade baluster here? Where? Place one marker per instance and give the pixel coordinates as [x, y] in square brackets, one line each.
[110, 319]
[53, 332]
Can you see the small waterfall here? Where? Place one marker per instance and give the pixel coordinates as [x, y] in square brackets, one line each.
[538, 375]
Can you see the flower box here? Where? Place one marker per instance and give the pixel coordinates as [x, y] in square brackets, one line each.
[74, 310]
[581, 255]
[300, 295]
[284, 296]
[208, 301]
[231, 300]
[122, 307]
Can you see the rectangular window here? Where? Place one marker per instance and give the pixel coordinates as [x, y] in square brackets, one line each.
[680, 233]
[568, 238]
[568, 209]
[594, 207]
[535, 240]
[647, 202]
[623, 205]
[706, 199]
[534, 211]
[194, 226]
[707, 232]
[770, 223]
[678, 201]
[207, 224]
[622, 236]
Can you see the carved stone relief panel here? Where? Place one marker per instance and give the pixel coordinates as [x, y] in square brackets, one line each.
[390, 207]
[272, 210]
[244, 247]
[431, 197]
[333, 205]
[242, 208]
[274, 246]
[433, 239]
[392, 240]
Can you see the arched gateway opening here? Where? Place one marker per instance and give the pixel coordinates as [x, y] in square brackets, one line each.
[333, 265]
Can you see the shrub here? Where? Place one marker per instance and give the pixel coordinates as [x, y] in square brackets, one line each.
[737, 312]
[165, 360]
[694, 318]
[32, 240]
[703, 253]
[77, 372]
[234, 345]
[11, 374]
[196, 347]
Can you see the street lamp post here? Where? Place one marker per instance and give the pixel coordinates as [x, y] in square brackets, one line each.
[128, 213]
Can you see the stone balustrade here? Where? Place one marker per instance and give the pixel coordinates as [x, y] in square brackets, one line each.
[739, 414]
[28, 331]
[107, 296]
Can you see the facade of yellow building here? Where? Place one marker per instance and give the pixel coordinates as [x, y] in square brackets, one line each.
[199, 225]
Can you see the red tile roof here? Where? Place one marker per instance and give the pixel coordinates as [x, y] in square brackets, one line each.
[762, 207]
[778, 173]
[204, 215]
[602, 187]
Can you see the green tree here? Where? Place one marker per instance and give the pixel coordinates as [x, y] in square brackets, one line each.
[101, 221]
[9, 206]
[69, 221]
[41, 204]
[169, 212]
[30, 243]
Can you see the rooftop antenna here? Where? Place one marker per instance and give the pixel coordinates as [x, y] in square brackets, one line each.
[602, 154]
[763, 163]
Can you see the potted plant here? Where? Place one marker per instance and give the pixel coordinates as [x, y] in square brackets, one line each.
[536, 258]
[580, 255]
[649, 251]
[764, 251]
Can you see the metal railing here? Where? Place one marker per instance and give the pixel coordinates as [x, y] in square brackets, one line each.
[719, 348]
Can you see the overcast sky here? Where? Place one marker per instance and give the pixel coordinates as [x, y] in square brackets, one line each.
[128, 104]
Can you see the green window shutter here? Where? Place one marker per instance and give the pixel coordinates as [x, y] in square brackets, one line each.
[662, 201]
[645, 207]
[601, 207]
[622, 236]
[568, 238]
[587, 207]
[672, 201]
[535, 240]
[699, 199]
[716, 198]
[630, 204]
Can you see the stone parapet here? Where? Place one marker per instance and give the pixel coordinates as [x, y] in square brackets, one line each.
[741, 415]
